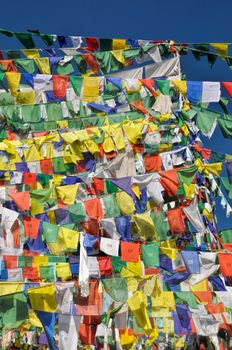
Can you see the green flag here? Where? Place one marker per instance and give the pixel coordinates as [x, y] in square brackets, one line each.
[164, 86]
[229, 61]
[76, 84]
[111, 209]
[47, 39]
[226, 126]
[13, 54]
[212, 57]
[150, 254]
[48, 273]
[6, 32]
[26, 40]
[186, 175]
[50, 232]
[54, 111]
[161, 224]
[65, 69]
[186, 297]
[227, 185]
[14, 310]
[77, 212]
[116, 288]
[27, 65]
[81, 64]
[41, 196]
[206, 121]
[226, 235]
[106, 44]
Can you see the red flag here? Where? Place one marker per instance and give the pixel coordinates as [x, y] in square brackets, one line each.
[94, 209]
[225, 261]
[149, 84]
[10, 261]
[152, 162]
[228, 86]
[92, 44]
[46, 166]
[175, 220]
[105, 265]
[31, 226]
[139, 106]
[130, 252]
[22, 199]
[31, 273]
[90, 60]
[29, 178]
[60, 83]
[8, 64]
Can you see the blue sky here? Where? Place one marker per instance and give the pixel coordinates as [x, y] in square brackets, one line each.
[185, 21]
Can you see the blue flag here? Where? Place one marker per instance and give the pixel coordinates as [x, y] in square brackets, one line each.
[191, 261]
[48, 321]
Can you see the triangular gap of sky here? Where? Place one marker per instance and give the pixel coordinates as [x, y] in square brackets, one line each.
[183, 21]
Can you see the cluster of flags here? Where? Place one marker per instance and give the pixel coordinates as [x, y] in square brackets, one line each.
[108, 234]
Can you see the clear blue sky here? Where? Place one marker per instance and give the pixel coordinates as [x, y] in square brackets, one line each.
[184, 21]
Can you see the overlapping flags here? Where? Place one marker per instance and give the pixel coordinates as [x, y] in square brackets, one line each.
[108, 234]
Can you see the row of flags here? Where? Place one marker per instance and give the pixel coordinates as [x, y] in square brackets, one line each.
[109, 236]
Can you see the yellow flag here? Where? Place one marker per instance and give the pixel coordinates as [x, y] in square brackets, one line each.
[136, 190]
[181, 342]
[70, 237]
[185, 130]
[119, 44]
[108, 144]
[25, 97]
[9, 288]
[43, 65]
[91, 88]
[62, 124]
[164, 300]
[169, 248]
[33, 320]
[200, 287]
[163, 147]
[63, 271]
[127, 339]
[118, 55]
[153, 336]
[132, 131]
[189, 191]
[91, 146]
[31, 53]
[207, 214]
[67, 193]
[228, 157]
[39, 261]
[132, 270]
[32, 154]
[118, 138]
[66, 239]
[145, 225]
[125, 203]
[43, 298]
[36, 208]
[57, 179]
[168, 326]
[138, 306]
[180, 85]
[13, 80]
[214, 168]
[221, 48]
